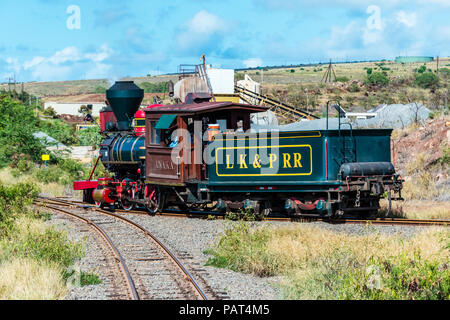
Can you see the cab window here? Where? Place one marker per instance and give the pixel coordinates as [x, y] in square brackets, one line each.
[155, 134]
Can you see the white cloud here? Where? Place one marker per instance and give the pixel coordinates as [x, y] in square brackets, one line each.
[252, 62]
[65, 55]
[200, 29]
[34, 62]
[104, 53]
[206, 23]
[408, 19]
[68, 62]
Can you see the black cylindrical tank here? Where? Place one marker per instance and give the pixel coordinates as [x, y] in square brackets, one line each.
[366, 169]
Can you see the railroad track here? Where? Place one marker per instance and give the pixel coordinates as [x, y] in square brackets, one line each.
[156, 272]
[128, 282]
[300, 218]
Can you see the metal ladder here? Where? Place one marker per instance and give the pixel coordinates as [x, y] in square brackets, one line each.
[348, 145]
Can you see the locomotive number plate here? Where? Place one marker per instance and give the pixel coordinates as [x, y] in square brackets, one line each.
[287, 160]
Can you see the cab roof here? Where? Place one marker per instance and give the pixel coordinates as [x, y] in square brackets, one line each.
[205, 107]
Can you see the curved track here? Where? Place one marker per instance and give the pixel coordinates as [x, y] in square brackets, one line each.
[153, 264]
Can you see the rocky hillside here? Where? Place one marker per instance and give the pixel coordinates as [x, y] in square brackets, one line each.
[422, 157]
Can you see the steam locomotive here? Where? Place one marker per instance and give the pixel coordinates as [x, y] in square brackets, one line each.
[202, 155]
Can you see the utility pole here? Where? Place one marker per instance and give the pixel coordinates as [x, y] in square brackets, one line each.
[329, 73]
[15, 94]
[437, 66]
[262, 79]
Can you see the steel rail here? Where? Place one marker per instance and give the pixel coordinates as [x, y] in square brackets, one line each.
[167, 250]
[118, 257]
[379, 221]
[190, 278]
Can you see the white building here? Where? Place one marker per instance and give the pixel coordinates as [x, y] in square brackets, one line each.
[72, 108]
[222, 80]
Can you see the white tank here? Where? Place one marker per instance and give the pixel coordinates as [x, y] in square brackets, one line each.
[189, 85]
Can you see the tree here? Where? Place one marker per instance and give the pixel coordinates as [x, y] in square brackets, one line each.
[90, 137]
[84, 110]
[17, 125]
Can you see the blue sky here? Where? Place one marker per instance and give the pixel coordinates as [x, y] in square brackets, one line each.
[40, 39]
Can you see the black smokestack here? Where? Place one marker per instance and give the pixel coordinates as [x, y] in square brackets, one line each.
[125, 98]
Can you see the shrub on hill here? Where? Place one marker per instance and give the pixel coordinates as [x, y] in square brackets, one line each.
[421, 69]
[100, 89]
[426, 80]
[342, 79]
[377, 78]
[154, 87]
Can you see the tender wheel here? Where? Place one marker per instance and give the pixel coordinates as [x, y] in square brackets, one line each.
[155, 199]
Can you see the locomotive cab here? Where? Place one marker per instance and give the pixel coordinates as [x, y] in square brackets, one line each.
[176, 138]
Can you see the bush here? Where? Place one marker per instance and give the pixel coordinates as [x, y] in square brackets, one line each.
[154, 87]
[49, 246]
[24, 166]
[421, 69]
[342, 79]
[100, 89]
[369, 71]
[445, 160]
[426, 80]
[48, 174]
[13, 199]
[377, 78]
[90, 137]
[50, 112]
[59, 130]
[354, 88]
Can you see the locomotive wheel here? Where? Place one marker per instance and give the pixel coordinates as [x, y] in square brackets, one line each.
[128, 205]
[155, 199]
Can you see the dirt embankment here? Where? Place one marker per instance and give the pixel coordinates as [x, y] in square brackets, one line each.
[427, 139]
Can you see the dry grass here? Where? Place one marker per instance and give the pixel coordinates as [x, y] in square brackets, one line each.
[52, 188]
[322, 264]
[299, 245]
[28, 279]
[420, 209]
[400, 133]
